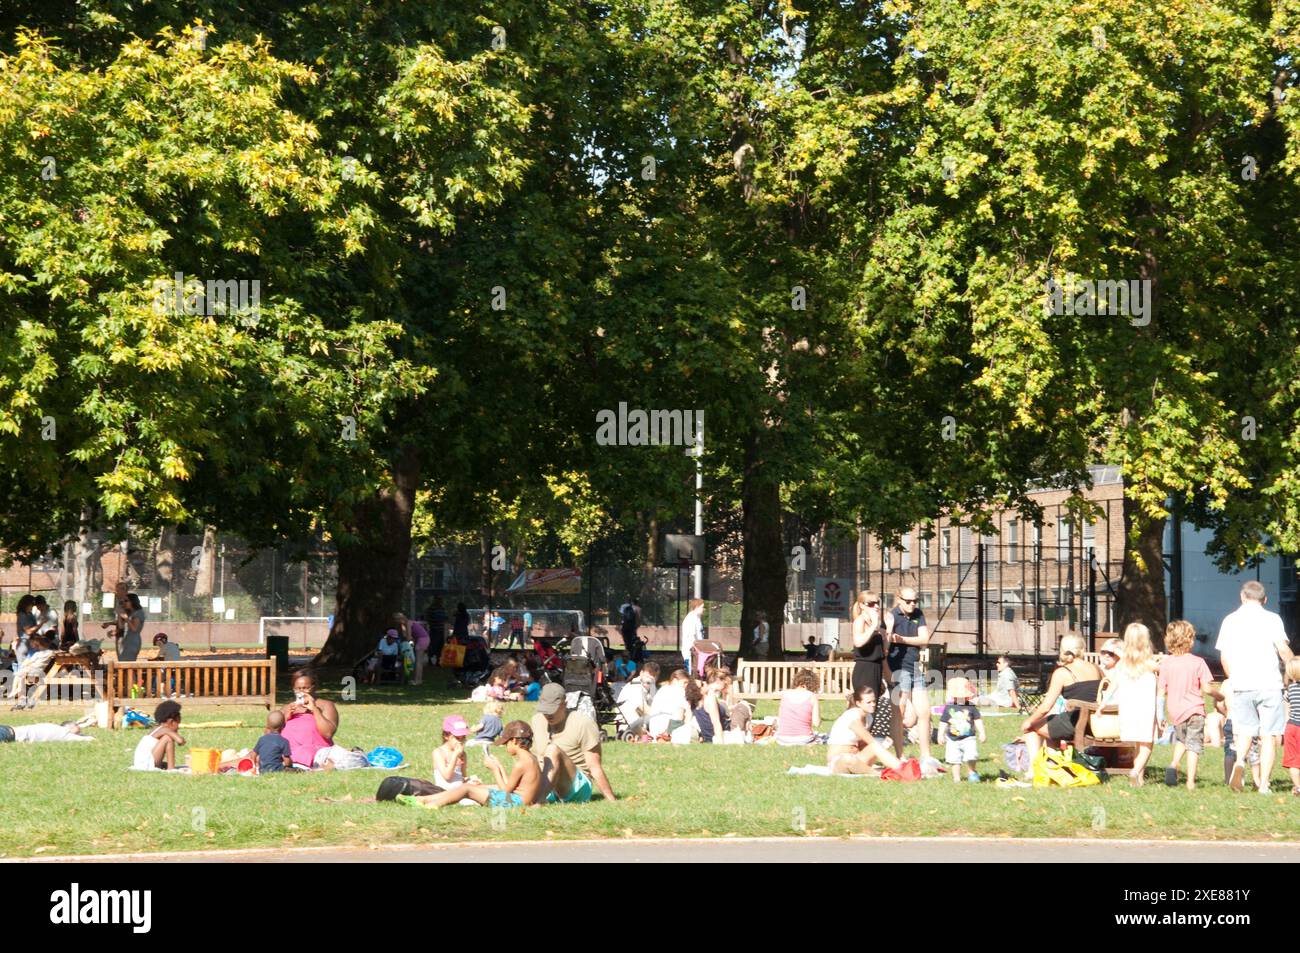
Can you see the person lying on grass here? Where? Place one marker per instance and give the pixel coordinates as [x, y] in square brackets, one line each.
[523, 786]
[850, 749]
[157, 750]
[44, 731]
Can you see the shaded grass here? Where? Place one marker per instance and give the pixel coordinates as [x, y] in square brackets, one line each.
[70, 798]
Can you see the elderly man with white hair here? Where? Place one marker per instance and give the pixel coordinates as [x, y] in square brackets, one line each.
[1253, 648]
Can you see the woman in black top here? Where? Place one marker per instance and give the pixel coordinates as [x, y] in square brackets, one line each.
[1074, 677]
[870, 669]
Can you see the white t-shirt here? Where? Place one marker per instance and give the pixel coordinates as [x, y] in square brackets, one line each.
[667, 706]
[842, 732]
[692, 632]
[47, 621]
[143, 760]
[1248, 642]
[635, 695]
[46, 732]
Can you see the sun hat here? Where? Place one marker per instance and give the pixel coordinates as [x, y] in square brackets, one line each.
[960, 687]
[455, 725]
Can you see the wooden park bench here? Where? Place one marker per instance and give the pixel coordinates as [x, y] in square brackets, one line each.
[203, 682]
[770, 679]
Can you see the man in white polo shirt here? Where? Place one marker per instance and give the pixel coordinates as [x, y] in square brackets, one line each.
[1251, 644]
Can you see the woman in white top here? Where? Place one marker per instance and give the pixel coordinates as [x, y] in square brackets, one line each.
[850, 749]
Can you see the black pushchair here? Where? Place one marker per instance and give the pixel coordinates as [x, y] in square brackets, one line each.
[477, 665]
[585, 674]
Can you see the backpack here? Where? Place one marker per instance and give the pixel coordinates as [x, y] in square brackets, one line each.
[389, 788]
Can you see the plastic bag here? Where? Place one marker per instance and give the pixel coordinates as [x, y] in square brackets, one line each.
[1016, 756]
[383, 757]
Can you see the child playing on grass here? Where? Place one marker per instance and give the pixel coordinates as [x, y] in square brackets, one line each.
[1182, 683]
[489, 726]
[523, 786]
[157, 750]
[1291, 736]
[959, 726]
[271, 753]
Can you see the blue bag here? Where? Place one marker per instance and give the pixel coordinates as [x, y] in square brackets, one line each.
[383, 757]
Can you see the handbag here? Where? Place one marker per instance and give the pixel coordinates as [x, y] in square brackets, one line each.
[1054, 768]
[453, 656]
[1103, 724]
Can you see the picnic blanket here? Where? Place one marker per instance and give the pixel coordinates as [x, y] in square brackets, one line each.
[822, 771]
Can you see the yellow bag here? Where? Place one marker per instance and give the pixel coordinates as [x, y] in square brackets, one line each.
[204, 760]
[1054, 768]
[453, 656]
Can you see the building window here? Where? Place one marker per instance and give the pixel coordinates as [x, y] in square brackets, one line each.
[964, 546]
[1090, 538]
[945, 598]
[1064, 539]
[1013, 541]
[885, 559]
[905, 552]
[945, 547]
[925, 600]
[925, 552]
[1038, 542]
[966, 608]
[1010, 608]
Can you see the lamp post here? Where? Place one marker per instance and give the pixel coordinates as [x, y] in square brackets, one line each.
[698, 453]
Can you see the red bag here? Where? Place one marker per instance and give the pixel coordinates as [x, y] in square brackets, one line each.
[909, 770]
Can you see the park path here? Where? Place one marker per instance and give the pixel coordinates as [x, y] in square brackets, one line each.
[752, 850]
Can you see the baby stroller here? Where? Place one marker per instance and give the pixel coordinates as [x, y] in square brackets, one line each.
[477, 665]
[704, 653]
[550, 667]
[587, 691]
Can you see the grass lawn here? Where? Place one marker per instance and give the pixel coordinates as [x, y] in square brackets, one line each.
[80, 798]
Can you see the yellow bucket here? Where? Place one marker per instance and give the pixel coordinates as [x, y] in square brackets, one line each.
[204, 760]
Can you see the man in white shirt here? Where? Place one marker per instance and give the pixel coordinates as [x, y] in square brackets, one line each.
[692, 629]
[1251, 644]
[637, 695]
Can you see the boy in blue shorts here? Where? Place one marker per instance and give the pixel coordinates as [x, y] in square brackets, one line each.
[521, 788]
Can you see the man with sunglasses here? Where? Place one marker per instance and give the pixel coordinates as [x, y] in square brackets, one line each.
[906, 632]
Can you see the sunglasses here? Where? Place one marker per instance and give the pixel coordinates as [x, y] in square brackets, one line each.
[907, 600]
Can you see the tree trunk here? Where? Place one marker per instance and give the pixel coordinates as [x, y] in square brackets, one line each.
[207, 564]
[165, 559]
[373, 554]
[763, 569]
[651, 558]
[85, 554]
[1141, 590]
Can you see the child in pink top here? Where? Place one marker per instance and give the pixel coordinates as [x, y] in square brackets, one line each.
[1182, 684]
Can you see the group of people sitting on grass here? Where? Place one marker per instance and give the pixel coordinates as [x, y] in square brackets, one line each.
[300, 735]
[1255, 708]
[556, 758]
